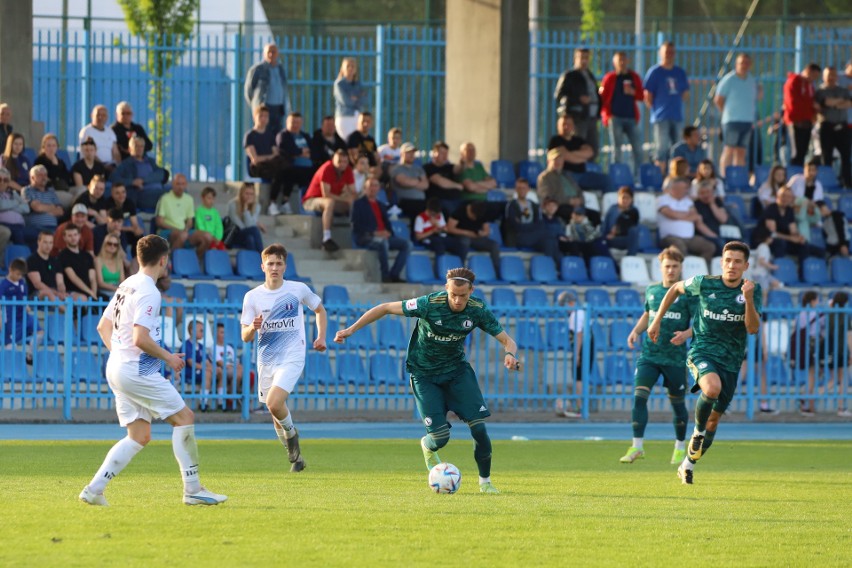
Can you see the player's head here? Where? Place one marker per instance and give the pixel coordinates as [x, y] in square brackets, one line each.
[734, 261]
[671, 264]
[274, 261]
[839, 300]
[198, 329]
[459, 287]
[153, 250]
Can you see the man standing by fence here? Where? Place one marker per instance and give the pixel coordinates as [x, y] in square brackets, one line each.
[266, 84]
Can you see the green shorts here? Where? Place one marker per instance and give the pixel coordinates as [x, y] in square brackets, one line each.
[674, 377]
[457, 390]
[700, 366]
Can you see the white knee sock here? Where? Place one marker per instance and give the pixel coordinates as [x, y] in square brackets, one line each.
[284, 428]
[116, 459]
[186, 454]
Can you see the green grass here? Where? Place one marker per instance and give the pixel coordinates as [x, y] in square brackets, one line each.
[367, 503]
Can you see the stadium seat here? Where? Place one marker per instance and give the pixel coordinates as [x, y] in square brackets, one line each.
[558, 336]
[600, 336]
[574, 271]
[736, 206]
[87, 367]
[598, 297]
[503, 173]
[512, 270]
[530, 170]
[794, 170]
[15, 251]
[779, 299]
[292, 273]
[185, 265]
[777, 373]
[482, 266]
[646, 203]
[543, 270]
[590, 201]
[205, 292]
[401, 229]
[234, 293]
[594, 167]
[608, 199]
[694, 266]
[618, 334]
[841, 271]
[828, 178]
[617, 369]
[559, 291]
[495, 195]
[318, 370]
[816, 238]
[350, 369]
[447, 262]
[761, 173]
[89, 329]
[497, 236]
[634, 270]
[648, 240]
[630, 302]
[335, 295]
[177, 290]
[63, 155]
[391, 334]
[777, 337]
[503, 298]
[14, 365]
[815, 272]
[786, 272]
[620, 175]
[650, 177]
[248, 265]
[30, 155]
[534, 298]
[361, 340]
[418, 270]
[603, 271]
[844, 205]
[217, 264]
[528, 335]
[386, 370]
[736, 179]
[48, 366]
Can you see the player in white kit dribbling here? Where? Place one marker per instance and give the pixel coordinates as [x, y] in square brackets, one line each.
[273, 311]
[130, 329]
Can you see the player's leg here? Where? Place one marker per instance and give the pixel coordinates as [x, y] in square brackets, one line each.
[674, 378]
[185, 448]
[643, 380]
[138, 436]
[283, 382]
[432, 406]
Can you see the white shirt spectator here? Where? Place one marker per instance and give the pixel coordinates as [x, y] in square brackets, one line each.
[104, 140]
[388, 154]
[424, 223]
[673, 227]
[797, 184]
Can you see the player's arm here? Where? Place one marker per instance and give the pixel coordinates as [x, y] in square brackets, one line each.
[105, 327]
[510, 359]
[673, 294]
[637, 331]
[322, 326]
[752, 318]
[373, 314]
[142, 340]
[680, 337]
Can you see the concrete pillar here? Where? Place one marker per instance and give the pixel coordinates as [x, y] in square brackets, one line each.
[487, 82]
[16, 65]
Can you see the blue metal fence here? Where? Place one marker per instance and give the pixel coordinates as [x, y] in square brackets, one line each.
[67, 362]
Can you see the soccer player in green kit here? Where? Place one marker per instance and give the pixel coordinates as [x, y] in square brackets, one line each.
[728, 310]
[664, 358]
[441, 378]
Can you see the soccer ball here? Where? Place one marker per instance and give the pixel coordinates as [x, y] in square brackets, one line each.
[444, 478]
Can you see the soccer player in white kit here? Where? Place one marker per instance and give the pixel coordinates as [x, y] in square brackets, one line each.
[130, 329]
[273, 312]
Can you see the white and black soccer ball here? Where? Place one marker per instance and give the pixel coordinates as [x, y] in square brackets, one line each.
[444, 478]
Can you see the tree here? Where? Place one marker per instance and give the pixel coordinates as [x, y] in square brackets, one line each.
[593, 16]
[166, 26]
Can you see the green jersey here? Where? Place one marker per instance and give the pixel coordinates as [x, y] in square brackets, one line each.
[437, 343]
[677, 318]
[719, 333]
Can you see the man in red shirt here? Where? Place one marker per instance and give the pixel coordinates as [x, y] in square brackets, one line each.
[800, 111]
[79, 218]
[332, 190]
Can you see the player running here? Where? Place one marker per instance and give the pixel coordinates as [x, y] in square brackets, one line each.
[130, 330]
[441, 377]
[273, 312]
[664, 358]
[728, 310]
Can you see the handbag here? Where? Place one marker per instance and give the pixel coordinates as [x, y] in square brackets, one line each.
[229, 231]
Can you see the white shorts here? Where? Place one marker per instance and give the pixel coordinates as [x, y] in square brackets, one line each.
[284, 376]
[142, 397]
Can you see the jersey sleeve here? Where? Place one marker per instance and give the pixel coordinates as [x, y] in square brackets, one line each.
[758, 298]
[692, 286]
[249, 311]
[489, 324]
[110, 309]
[310, 299]
[147, 311]
[647, 302]
[415, 307]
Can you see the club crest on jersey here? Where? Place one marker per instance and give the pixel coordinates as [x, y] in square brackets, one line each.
[702, 365]
[741, 299]
[467, 324]
[427, 421]
[411, 304]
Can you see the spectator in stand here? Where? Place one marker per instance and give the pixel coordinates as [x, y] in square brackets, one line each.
[141, 173]
[85, 236]
[109, 266]
[666, 89]
[199, 366]
[229, 371]
[266, 85]
[125, 130]
[808, 350]
[678, 167]
[325, 142]
[468, 227]
[103, 138]
[294, 146]
[577, 94]
[96, 204]
[844, 81]
[620, 90]
[331, 191]
[442, 182]
[576, 327]
[678, 221]
[207, 218]
[736, 97]
[409, 182]
[350, 98]
[15, 161]
[78, 266]
[808, 219]
[244, 212]
[583, 232]
[6, 127]
[389, 153]
[576, 153]
[430, 230]
[472, 175]
[18, 324]
[554, 184]
[768, 190]
[371, 229]
[361, 171]
[45, 271]
[707, 174]
[58, 175]
[131, 229]
[361, 142]
[690, 149]
[838, 337]
[265, 162]
[12, 210]
[834, 102]
[621, 223]
[807, 187]
[45, 209]
[175, 218]
[87, 167]
[800, 111]
[713, 214]
[522, 225]
[113, 226]
[779, 220]
[763, 267]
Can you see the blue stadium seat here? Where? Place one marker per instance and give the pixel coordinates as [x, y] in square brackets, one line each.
[235, 293]
[503, 298]
[603, 271]
[350, 369]
[736, 179]
[620, 175]
[292, 273]
[628, 297]
[30, 155]
[761, 173]
[89, 330]
[401, 229]
[47, 366]
[530, 170]
[559, 291]
[497, 236]
[391, 334]
[828, 179]
[647, 240]
[88, 367]
[418, 270]
[248, 265]
[335, 295]
[177, 290]
[841, 271]
[574, 271]
[14, 365]
[794, 170]
[386, 370]
[482, 266]
[594, 167]
[779, 299]
[185, 265]
[543, 270]
[815, 272]
[495, 195]
[63, 155]
[600, 336]
[217, 264]
[330, 331]
[844, 205]
[787, 272]
[512, 270]
[534, 297]
[617, 369]
[618, 333]
[737, 207]
[598, 297]
[233, 330]
[529, 336]
[447, 262]
[54, 323]
[205, 292]
[777, 373]
[816, 238]
[503, 173]
[558, 336]
[318, 370]
[15, 251]
[650, 177]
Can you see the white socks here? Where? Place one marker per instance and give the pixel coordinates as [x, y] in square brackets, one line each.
[484, 480]
[637, 443]
[680, 444]
[116, 460]
[284, 428]
[326, 235]
[186, 453]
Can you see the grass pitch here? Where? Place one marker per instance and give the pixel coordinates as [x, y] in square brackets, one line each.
[367, 503]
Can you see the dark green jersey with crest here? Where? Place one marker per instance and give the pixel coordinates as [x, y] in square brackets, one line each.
[719, 333]
[677, 318]
[437, 343]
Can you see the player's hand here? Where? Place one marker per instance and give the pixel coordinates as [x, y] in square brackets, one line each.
[512, 363]
[654, 331]
[319, 345]
[748, 288]
[176, 361]
[341, 335]
[632, 340]
[257, 322]
[679, 338]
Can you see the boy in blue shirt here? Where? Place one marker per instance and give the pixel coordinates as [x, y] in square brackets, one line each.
[199, 367]
[17, 325]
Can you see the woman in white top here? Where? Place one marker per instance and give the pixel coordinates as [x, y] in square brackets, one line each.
[768, 190]
[244, 212]
[707, 172]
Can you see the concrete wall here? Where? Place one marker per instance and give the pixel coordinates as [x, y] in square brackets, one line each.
[16, 66]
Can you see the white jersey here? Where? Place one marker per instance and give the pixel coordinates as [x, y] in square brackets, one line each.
[136, 302]
[281, 338]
